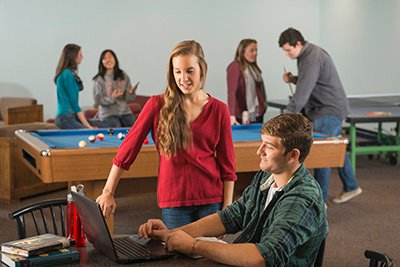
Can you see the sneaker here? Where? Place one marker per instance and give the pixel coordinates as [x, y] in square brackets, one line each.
[346, 196]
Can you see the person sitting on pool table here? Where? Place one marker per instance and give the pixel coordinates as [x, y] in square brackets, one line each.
[281, 214]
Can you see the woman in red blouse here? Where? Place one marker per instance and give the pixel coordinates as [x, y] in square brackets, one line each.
[192, 133]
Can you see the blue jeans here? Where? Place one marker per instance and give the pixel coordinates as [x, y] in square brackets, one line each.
[71, 121]
[179, 216]
[332, 125]
[126, 120]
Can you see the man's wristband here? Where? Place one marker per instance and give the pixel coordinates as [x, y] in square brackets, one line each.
[166, 242]
[194, 246]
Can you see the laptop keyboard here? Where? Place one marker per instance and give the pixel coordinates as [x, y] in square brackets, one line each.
[130, 248]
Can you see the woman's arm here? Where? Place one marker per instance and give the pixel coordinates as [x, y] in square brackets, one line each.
[226, 156]
[99, 93]
[228, 193]
[106, 199]
[130, 91]
[232, 76]
[83, 120]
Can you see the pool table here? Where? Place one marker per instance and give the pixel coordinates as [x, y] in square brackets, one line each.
[54, 155]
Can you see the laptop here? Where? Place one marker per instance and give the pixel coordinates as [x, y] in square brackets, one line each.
[123, 249]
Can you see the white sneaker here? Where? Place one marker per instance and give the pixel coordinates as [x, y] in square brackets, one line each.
[346, 196]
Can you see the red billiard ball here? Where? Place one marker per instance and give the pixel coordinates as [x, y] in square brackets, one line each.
[100, 136]
[92, 138]
[146, 140]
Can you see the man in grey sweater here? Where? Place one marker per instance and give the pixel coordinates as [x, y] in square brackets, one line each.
[320, 92]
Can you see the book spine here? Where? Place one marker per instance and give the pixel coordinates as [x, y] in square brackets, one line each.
[14, 251]
[25, 253]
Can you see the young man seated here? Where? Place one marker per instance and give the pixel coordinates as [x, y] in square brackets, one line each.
[281, 214]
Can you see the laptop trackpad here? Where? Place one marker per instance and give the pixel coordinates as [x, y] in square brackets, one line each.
[156, 247]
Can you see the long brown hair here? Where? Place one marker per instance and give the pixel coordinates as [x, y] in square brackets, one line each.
[239, 55]
[173, 129]
[67, 59]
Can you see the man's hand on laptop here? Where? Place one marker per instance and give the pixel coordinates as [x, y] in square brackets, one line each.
[180, 241]
[175, 240]
[155, 229]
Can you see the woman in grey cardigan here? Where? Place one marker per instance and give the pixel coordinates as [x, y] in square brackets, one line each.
[112, 91]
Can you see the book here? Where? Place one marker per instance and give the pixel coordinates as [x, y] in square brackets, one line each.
[51, 258]
[36, 244]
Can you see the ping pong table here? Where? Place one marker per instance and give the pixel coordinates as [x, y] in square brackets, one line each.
[375, 108]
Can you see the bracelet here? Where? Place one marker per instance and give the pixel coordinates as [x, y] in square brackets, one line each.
[194, 246]
[166, 242]
[108, 191]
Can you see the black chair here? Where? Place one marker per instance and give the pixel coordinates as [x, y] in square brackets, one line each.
[47, 217]
[377, 259]
[320, 256]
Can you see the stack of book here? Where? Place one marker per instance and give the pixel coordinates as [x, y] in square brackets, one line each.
[41, 250]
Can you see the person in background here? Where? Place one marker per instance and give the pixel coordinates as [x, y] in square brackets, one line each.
[112, 91]
[280, 216]
[320, 92]
[197, 166]
[69, 114]
[246, 91]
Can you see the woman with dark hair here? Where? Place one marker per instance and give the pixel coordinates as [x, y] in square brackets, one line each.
[193, 136]
[112, 91]
[246, 91]
[69, 114]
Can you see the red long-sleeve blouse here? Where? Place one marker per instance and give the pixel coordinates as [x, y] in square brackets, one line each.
[195, 176]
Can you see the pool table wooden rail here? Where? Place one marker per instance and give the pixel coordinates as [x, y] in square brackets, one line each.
[88, 164]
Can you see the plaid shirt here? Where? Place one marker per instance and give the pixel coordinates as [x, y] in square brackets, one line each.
[290, 230]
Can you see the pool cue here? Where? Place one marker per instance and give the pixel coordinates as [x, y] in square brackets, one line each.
[290, 86]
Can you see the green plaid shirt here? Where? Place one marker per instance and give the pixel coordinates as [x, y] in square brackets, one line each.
[290, 230]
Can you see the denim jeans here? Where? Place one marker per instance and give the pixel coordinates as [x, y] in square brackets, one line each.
[179, 216]
[120, 121]
[332, 125]
[71, 121]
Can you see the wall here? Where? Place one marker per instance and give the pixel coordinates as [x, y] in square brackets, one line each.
[361, 36]
[142, 33]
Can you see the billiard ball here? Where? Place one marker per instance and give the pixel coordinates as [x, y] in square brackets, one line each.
[82, 143]
[146, 140]
[100, 136]
[120, 136]
[111, 131]
[92, 138]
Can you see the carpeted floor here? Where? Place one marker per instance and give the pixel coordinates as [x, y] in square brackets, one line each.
[370, 221]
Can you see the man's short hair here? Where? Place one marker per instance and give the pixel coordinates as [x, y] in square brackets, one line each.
[295, 131]
[291, 36]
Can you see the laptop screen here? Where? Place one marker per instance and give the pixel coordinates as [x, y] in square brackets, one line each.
[94, 225]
